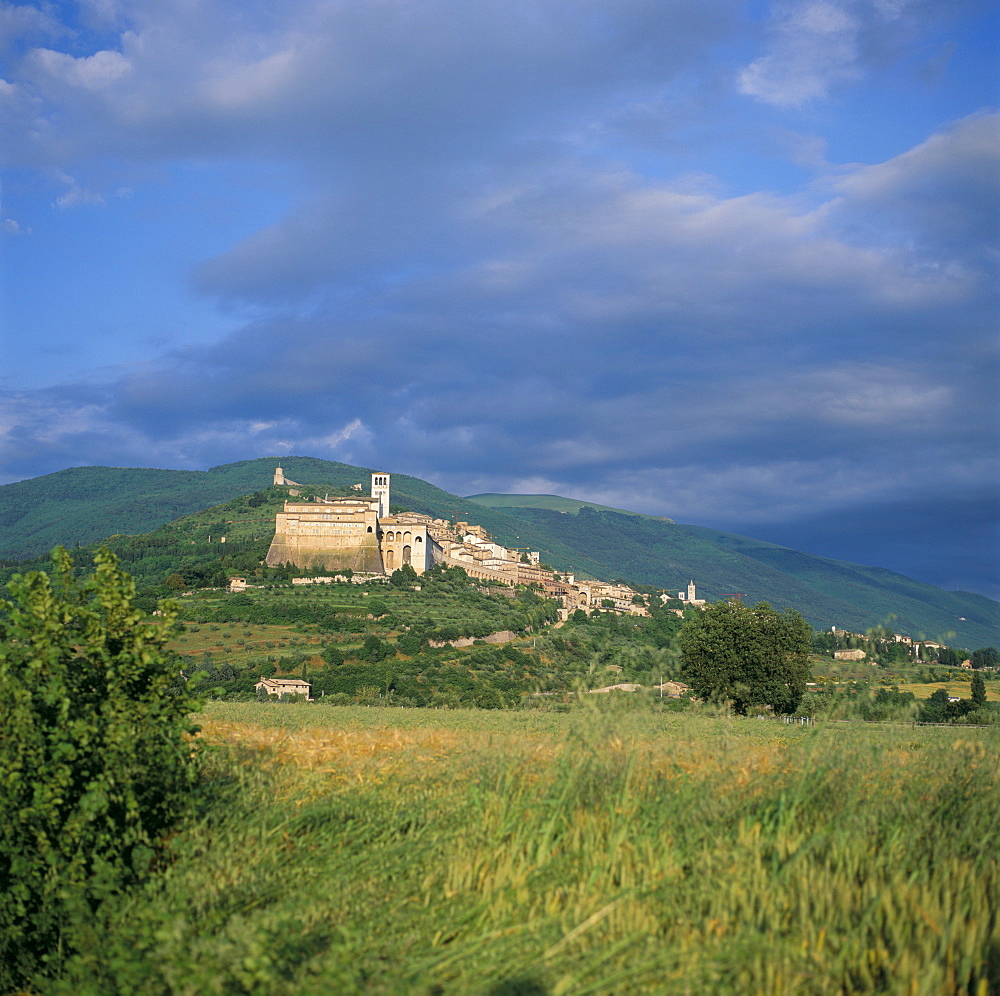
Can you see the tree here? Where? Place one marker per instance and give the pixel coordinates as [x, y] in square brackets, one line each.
[936, 708]
[746, 655]
[949, 657]
[403, 577]
[96, 761]
[985, 657]
[332, 655]
[377, 607]
[978, 691]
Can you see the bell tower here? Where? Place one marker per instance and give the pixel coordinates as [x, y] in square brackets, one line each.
[380, 490]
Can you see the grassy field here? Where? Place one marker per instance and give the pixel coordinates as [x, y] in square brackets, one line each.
[960, 689]
[606, 850]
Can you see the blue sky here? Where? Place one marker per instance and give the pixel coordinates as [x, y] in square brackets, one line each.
[732, 263]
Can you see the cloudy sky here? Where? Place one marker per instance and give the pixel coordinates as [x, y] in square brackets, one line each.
[729, 262]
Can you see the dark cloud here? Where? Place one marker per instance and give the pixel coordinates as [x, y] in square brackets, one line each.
[945, 536]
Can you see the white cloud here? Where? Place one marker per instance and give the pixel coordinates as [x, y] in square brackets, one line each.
[942, 196]
[92, 72]
[10, 226]
[77, 196]
[814, 47]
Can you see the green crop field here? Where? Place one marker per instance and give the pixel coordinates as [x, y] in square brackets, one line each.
[608, 849]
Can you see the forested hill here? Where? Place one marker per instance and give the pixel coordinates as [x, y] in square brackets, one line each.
[84, 505]
[87, 504]
[827, 592]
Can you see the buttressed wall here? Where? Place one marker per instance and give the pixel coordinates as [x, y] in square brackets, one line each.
[331, 535]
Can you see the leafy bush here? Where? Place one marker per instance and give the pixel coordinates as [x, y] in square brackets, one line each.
[95, 761]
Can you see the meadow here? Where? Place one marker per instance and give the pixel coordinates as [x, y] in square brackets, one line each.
[609, 849]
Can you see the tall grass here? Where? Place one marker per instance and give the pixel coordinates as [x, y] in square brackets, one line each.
[424, 852]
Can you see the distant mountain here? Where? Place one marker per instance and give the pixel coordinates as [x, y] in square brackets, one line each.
[554, 502]
[84, 505]
[827, 592]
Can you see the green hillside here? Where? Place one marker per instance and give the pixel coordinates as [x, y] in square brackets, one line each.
[827, 592]
[170, 516]
[555, 503]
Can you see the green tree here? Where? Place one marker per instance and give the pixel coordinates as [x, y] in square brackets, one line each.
[949, 657]
[978, 691]
[95, 761]
[985, 657]
[377, 607]
[403, 577]
[936, 709]
[333, 655]
[747, 655]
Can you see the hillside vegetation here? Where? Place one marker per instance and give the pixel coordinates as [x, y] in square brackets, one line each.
[84, 505]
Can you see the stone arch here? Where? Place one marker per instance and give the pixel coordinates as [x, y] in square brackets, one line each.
[389, 558]
[418, 539]
[406, 554]
[406, 536]
[369, 529]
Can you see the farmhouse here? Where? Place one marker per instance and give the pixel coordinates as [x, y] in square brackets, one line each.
[849, 655]
[283, 686]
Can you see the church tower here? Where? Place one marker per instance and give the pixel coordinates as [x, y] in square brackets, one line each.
[380, 490]
[279, 477]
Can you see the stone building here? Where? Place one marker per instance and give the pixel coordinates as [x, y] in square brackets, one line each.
[359, 534]
[284, 686]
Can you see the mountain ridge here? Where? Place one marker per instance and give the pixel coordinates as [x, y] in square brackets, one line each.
[86, 505]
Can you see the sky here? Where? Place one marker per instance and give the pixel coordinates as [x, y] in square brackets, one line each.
[733, 263]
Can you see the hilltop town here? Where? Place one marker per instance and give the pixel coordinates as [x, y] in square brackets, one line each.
[360, 534]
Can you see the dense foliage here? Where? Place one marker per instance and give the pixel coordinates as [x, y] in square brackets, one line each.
[95, 761]
[747, 655]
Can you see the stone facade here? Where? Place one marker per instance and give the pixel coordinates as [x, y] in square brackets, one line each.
[328, 535]
[284, 686]
[334, 534]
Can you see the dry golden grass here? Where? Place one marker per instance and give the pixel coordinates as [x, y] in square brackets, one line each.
[369, 756]
[384, 851]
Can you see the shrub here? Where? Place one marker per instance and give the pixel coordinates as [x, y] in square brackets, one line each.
[95, 762]
[332, 655]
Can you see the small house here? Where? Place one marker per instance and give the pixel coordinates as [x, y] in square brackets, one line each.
[284, 686]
